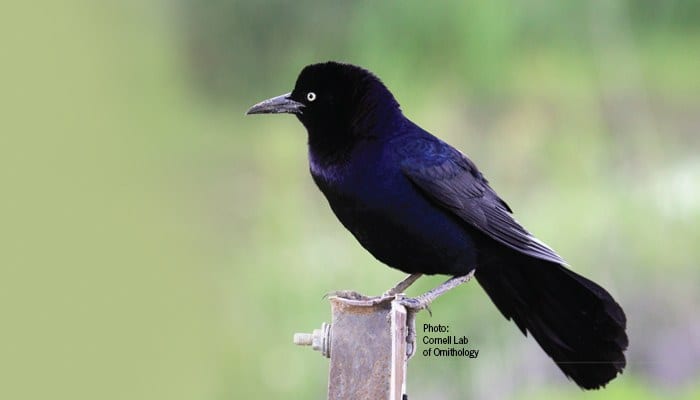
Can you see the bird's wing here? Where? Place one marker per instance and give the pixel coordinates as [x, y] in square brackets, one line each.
[452, 181]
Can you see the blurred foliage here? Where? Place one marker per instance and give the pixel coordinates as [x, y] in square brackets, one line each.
[156, 243]
[480, 46]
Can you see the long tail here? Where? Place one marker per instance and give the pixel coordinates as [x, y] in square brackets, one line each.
[575, 321]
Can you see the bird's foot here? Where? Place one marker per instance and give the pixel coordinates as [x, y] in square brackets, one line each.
[389, 294]
[411, 345]
[347, 294]
[415, 304]
[356, 296]
[422, 302]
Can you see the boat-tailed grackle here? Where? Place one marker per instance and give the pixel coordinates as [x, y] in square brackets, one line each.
[421, 206]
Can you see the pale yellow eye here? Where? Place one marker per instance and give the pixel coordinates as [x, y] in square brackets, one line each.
[311, 96]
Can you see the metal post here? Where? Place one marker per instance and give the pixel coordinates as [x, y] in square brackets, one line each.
[366, 343]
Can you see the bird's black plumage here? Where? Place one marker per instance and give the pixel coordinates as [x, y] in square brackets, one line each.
[421, 206]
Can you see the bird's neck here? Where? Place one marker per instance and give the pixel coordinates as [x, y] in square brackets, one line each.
[329, 149]
[333, 145]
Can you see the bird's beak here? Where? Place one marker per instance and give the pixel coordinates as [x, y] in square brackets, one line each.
[276, 105]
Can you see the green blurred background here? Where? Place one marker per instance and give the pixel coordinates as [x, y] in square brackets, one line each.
[157, 244]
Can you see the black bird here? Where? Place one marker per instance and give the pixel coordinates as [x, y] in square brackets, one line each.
[420, 206]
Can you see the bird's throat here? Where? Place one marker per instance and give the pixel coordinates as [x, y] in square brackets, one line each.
[330, 146]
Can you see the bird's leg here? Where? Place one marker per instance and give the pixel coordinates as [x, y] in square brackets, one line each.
[389, 294]
[423, 301]
[413, 305]
[402, 286]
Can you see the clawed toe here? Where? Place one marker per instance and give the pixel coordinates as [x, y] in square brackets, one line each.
[348, 295]
[355, 296]
[416, 304]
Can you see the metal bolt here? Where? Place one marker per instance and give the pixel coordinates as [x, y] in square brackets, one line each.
[319, 340]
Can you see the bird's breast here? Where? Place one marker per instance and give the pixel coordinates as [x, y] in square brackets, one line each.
[374, 200]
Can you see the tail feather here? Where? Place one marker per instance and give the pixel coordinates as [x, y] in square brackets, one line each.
[574, 320]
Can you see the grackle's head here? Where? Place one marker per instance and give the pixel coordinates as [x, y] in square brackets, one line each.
[336, 103]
